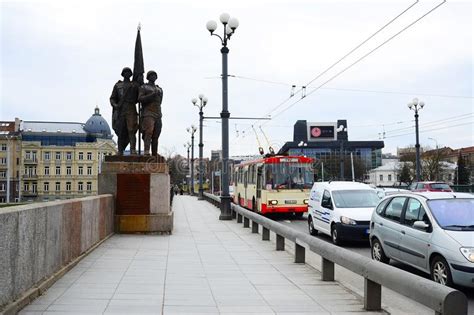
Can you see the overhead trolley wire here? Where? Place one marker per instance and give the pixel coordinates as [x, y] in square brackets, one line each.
[361, 58]
[347, 54]
[337, 62]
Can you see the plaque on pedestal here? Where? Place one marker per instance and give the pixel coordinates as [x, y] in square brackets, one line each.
[141, 186]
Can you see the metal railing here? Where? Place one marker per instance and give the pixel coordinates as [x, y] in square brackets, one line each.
[442, 299]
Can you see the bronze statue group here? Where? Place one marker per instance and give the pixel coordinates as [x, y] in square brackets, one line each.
[126, 120]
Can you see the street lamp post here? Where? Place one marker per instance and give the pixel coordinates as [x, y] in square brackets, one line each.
[200, 105]
[416, 106]
[341, 151]
[230, 25]
[437, 157]
[192, 131]
[187, 145]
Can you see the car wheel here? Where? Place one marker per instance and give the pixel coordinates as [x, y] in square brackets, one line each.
[377, 252]
[440, 271]
[334, 236]
[311, 228]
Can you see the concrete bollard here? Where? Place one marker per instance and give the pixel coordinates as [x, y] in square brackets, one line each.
[299, 254]
[246, 222]
[327, 272]
[280, 242]
[239, 218]
[254, 227]
[372, 295]
[265, 234]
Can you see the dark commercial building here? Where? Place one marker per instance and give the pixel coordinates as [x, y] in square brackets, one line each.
[329, 145]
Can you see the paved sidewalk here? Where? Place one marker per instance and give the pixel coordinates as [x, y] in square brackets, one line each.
[206, 266]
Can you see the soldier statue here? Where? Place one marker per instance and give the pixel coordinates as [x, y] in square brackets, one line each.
[124, 116]
[150, 96]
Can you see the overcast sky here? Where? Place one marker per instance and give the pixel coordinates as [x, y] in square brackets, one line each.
[59, 59]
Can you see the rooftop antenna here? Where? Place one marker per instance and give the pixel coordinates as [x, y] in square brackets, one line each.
[260, 148]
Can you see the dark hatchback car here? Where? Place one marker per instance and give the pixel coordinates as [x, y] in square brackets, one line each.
[430, 186]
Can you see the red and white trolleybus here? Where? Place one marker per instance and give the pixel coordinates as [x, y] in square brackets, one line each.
[275, 184]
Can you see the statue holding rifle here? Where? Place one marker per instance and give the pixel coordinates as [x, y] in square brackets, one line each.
[124, 115]
[150, 97]
[126, 121]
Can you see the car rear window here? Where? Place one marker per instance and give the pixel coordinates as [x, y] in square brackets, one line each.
[440, 186]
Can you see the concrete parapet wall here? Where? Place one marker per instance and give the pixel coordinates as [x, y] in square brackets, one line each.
[37, 240]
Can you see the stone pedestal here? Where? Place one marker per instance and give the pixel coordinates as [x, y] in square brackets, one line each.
[141, 187]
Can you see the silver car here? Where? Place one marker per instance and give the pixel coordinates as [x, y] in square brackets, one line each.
[431, 231]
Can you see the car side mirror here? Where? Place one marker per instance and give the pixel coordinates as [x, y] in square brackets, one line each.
[421, 225]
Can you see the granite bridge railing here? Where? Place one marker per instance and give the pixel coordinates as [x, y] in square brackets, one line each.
[40, 242]
[442, 299]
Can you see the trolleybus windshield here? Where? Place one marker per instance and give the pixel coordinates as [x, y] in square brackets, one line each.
[288, 176]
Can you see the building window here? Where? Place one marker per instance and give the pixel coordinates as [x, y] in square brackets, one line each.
[58, 186]
[33, 155]
[46, 170]
[3, 174]
[34, 187]
[381, 177]
[26, 186]
[27, 155]
[2, 187]
[58, 155]
[47, 156]
[68, 170]
[81, 155]
[3, 161]
[68, 156]
[89, 170]
[89, 186]
[68, 186]
[4, 147]
[80, 186]
[389, 177]
[46, 186]
[80, 170]
[58, 170]
[89, 156]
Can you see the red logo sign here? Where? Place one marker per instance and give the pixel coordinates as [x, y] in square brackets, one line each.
[315, 132]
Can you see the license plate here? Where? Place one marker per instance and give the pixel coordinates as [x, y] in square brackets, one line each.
[367, 231]
[290, 202]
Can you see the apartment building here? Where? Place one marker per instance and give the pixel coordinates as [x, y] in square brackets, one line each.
[61, 160]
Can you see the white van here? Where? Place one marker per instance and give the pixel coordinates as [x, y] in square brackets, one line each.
[341, 210]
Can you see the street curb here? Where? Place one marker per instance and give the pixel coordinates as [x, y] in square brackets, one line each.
[42, 287]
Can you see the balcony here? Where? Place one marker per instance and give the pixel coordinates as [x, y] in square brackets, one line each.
[30, 177]
[30, 161]
[29, 193]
